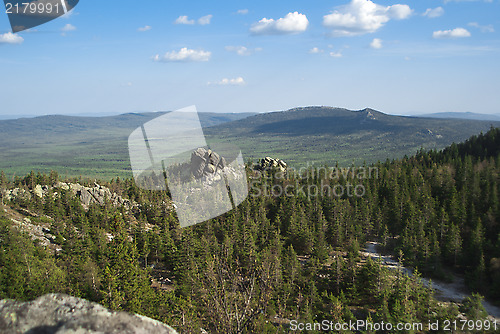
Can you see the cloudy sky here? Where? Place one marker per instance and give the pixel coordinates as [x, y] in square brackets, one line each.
[255, 56]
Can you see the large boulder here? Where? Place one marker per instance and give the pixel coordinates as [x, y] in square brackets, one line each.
[62, 314]
[206, 162]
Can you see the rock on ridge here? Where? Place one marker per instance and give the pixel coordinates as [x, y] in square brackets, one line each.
[206, 162]
[268, 163]
[62, 314]
[88, 195]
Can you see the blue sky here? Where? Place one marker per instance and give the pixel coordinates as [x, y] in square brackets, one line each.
[255, 56]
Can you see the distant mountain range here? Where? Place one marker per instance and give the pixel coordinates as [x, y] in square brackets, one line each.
[463, 115]
[326, 135]
[97, 146]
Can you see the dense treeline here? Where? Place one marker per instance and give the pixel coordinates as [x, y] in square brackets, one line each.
[450, 210]
[274, 258]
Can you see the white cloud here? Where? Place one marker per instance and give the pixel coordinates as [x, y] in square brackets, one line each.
[204, 20]
[183, 55]
[10, 38]
[362, 17]
[239, 81]
[488, 28]
[336, 54]
[434, 12]
[183, 19]
[145, 28]
[290, 24]
[399, 12]
[242, 11]
[242, 50]
[454, 33]
[376, 43]
[316, 50]
[68, 27]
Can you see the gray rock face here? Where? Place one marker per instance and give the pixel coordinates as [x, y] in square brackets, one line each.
[62, 314]
[36, 232]
[206, 162]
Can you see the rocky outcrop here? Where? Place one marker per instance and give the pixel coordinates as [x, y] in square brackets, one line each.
[36, 232]
[40, 190]
[269, 163]
[16, 193]
[95, 194]
[206, 162]
[62, 314]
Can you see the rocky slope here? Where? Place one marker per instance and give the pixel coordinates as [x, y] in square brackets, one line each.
[95, 194]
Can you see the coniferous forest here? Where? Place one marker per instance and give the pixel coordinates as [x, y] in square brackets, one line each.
[277, 257]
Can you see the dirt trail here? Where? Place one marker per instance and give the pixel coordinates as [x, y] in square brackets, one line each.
[454, 292]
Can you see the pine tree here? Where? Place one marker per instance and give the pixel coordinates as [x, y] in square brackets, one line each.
[454, 244]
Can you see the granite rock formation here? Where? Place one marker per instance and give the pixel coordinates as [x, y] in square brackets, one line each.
[62, 314]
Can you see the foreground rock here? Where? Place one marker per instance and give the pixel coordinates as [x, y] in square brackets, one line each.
[62, 314]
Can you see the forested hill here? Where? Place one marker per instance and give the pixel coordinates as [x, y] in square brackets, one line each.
[477, 147]
[444, 209]
[326, 135]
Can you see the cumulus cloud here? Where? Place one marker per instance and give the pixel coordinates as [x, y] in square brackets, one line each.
[376, 43]
[454, 33]
[488, 28]
[399, 12]
[10, 38]
[434, 12]
[145, 28]
[290, 24]
[183, 55]
[362, 17]
[68, 27]
[242, 11]
[316, 50]
[337, 54]
[239, 81]
[204, 20]
[183, 19]
[242, 50]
